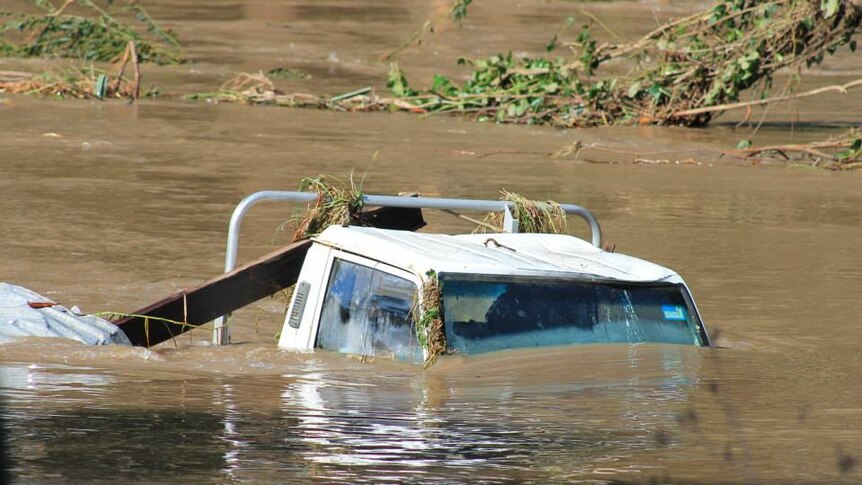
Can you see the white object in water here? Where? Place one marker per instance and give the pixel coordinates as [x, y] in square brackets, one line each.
[358, 287]
[22, 315]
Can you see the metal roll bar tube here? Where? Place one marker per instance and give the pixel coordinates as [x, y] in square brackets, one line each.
[221, 330]
[478, 206]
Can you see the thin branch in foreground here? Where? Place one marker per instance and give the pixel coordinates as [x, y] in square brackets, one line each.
[840, 88]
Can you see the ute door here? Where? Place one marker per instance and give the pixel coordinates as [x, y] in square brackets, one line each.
[366, 309]
[298, 331]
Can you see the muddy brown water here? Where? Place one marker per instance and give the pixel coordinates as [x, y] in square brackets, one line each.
[110, 206]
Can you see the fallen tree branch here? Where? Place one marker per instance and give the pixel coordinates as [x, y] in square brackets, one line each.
[683, 73]
[842, 88]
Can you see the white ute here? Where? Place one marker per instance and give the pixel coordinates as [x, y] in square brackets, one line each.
[358, 288]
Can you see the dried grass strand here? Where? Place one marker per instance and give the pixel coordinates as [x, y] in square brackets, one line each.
[534, 216]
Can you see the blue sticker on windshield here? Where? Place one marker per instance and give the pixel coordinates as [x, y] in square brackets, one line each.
[673, 312]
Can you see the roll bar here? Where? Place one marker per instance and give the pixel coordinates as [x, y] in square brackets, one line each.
[221, 332]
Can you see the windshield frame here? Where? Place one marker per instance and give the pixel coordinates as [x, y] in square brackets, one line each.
[584, 279]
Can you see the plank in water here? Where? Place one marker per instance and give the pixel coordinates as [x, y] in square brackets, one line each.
[242, 286]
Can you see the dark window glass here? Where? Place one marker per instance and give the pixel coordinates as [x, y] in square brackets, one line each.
[483, 315]
[368, 312]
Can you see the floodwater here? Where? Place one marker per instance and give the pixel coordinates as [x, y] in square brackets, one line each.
[112, 206]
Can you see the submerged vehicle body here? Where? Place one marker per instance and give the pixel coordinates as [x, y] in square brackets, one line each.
[378, 289]
[359, 289]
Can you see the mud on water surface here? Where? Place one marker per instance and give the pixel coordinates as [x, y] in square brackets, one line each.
[111, 206]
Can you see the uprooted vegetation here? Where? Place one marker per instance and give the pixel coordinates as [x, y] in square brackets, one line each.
[686, 72]
[338, 202]
[428, 315]
[97, 37]
[82, 29]
[841, 152]
[533, 216]
[837, 152]
[80, 82]
[683, 73]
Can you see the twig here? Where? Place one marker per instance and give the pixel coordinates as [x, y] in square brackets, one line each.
[842, 88]
[136, 93]
[414, 37]
[144, 16]
[59, 11]
[417, 35]
[602, 24]
[782, 149]
[14, 76]
[470, 219]
[103, 13]
[122, 69]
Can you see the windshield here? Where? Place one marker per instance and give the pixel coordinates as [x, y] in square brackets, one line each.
[488, 313]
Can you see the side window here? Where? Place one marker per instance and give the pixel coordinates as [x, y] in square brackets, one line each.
[367, 311]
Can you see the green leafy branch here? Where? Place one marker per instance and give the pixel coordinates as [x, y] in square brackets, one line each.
[98, 37]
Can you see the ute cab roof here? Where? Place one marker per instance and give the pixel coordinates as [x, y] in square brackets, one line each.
[549, 255]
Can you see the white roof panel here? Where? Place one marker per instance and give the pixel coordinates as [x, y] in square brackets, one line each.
[498, 254]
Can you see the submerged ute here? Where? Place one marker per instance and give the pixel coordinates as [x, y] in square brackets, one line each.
[371, 286]
[365, 291]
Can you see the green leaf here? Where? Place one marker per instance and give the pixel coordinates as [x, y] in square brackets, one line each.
[655, 91]
[584, 36]
[718, 13]
[552, 44]
[743, 144]
[439, 83]
[829, 8]
[398, 83]
[459, 11]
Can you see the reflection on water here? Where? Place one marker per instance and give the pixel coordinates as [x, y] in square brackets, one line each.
[113, 445]
[346, 422]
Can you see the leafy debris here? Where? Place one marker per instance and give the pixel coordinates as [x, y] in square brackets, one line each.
[99, 36]
[705, 60]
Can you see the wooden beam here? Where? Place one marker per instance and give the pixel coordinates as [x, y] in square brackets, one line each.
[242, 286]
